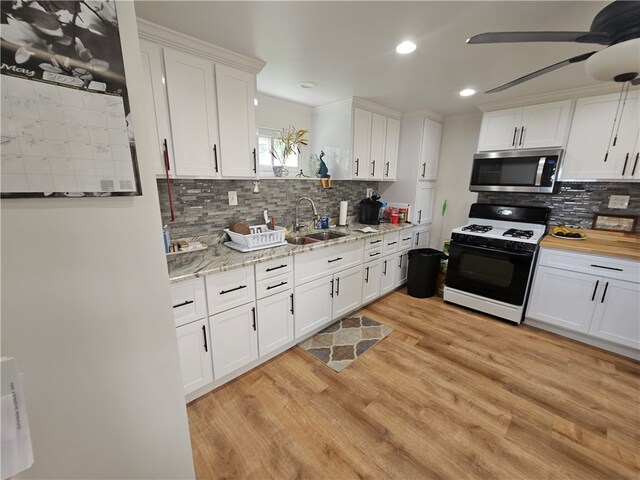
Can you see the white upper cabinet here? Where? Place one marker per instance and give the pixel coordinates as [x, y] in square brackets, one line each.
[361, 142]
[192, 107]
[534, 126]
[430, 151]
[153, 71]
[203, 107]
[392, 140]
[603, 142]
[236, 90]
[377, 151]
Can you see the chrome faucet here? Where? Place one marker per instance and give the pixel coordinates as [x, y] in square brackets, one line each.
[299, 225]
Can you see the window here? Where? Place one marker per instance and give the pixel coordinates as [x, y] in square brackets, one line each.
[267, 138]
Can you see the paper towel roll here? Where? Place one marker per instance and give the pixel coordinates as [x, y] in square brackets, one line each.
[343, 213]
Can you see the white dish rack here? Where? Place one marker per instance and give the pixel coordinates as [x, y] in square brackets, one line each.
[260, 237]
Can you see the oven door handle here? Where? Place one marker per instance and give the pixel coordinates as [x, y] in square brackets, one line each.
[541, 164]
[492, 249]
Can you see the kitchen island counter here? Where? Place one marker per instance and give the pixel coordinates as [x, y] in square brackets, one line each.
[599, 242]
[219, 258]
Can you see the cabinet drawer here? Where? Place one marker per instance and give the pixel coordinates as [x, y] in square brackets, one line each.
[189, 301]
[274, 267]
[372, 242]
[278, 284]
[600, 265]
[229, 289]
[406, 239]
[373, 253]
[324, 261]
[391, 240]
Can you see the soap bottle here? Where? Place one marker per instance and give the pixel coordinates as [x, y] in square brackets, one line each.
[165, 236]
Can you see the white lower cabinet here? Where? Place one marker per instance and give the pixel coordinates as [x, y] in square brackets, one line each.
[347, 294]
[195, 355]
[312, 302]
[275, 321]
[421, 237]
[388, 275]
[234, 339]
[597, 297]
[371, 282]
[402, 268]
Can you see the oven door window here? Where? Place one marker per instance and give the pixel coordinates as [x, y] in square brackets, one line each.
[490, 273]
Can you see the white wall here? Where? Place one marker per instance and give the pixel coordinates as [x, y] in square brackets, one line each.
[277, 113]
[459, 143]
[87, 315]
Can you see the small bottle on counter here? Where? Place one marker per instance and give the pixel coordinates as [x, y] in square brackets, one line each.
[165, 236]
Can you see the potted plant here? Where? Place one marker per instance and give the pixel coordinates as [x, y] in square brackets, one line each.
[289, 142]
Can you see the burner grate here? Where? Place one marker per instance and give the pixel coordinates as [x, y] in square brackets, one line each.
[477, 228]
[515, 233]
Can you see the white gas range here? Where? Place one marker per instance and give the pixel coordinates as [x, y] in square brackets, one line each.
[491, 259]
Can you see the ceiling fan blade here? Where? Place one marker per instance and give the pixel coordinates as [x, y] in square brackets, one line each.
[635, 81]
[537, 73]
[515, 37]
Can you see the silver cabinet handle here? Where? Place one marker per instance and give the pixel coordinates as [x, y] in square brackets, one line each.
[515, 134]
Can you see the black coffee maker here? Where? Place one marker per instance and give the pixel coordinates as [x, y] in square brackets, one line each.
[370, 210]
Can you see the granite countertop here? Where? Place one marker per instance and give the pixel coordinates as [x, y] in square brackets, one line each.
[599, 242]
[218, 258]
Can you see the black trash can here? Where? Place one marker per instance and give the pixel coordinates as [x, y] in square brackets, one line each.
[424, 265]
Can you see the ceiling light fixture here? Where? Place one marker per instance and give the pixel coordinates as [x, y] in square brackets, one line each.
[467, 92]
[308, 84]
[406, 47]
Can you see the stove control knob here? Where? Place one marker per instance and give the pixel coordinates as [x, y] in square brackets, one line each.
[520, 245]
[509, 244]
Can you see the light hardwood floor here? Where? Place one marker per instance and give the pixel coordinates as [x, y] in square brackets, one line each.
[449, 394]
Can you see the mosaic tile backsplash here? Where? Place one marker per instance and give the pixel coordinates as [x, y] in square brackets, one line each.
[575, 203]
[202, 206]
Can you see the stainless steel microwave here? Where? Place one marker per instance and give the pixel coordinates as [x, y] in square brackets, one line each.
[516, 171]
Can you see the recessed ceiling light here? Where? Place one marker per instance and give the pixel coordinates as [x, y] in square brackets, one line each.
[308, 84]
[467, 92]
[406, 47]
[255, 102]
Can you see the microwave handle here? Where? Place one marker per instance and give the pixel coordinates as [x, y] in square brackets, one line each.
[541, 164]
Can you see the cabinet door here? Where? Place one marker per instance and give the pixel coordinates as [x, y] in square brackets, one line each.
[423, 211]
[586, 156]
[633, 170]
[499, 130]
[234, 339]
[563, 298]
[193, 112]
[623, 153]
[275, 321]
[313, 303]
[153, 71]
[617, 315]
[376, 152]
[421, 238]
[430, 152]
[195, 355]
[236, 111]
[371, 282]
[402, 268]
[361, 142]
[544, 125]
[391, 143]
[388, 277]
[347, 291]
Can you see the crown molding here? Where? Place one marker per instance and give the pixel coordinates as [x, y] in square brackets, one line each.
[333, 106]
[570, 94]
[170, 38]
[424, 113]
[376, 108]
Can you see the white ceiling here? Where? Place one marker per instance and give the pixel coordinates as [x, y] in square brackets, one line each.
[348, 48]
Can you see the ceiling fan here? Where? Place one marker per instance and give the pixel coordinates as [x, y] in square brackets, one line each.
[617, 26]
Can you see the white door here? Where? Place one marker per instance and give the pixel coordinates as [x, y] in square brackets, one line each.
[617, 315]
[423, 211]
[403, 268]
[153, 71]
[586, 156]
[421, 238]
[193, 112]
[391, 143]
[376, 153]
[236, 112]
[563, 298]
[275, 321]
[544, 125]
[622, 154]
[499, 130]
[430, 153]
[634, 164]
[313, 302]
[195, 355]
[234, 339]
[347, 291]
[388, 275]
[361, 142]
[371, 281]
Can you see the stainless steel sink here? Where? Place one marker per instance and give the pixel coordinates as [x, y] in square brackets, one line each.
[326, 235]
[301, 240]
